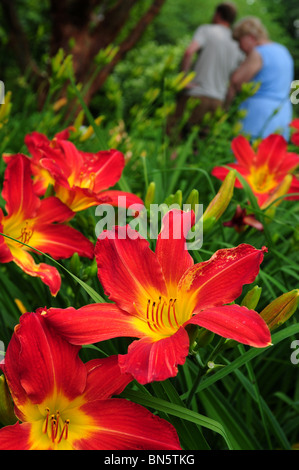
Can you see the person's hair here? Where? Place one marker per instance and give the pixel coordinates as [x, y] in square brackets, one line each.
[250, 25]
[227, 11]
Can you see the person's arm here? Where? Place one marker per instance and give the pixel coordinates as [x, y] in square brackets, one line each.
[188, 55]
[243, 74]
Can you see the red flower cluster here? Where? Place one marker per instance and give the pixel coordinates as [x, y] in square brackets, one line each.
[80, 180]
[36, 223]
[154, 296]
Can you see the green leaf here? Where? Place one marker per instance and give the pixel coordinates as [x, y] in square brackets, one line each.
[190, 434]
[179, 411]
[219, 407]
[276, 428]
[248, 356]
[90, 291]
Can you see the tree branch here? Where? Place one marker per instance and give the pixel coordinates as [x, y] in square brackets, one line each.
[125, 46]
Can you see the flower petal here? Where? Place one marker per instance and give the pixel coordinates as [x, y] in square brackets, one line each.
[171, 247]
[294, 188]
[243, 152]
[18, 188]
[34, 141]
[220, 172]
[71, 157]
[150, 361]
[295, 123]
[235, 322]
[123, 425]
[48, 274]
[47, 362]
[272, 151]
[104, 379]
[295, 138]
[128, 270]
[61, 241]
[91, 323]
[107, 165]
[15, 437]
[10, 368]
[5, 254]
[120, 199]
[220, 280]
[77, 199]
[53, 210]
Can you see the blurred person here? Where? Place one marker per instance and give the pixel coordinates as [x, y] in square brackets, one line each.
[218, 55]
[271, 65]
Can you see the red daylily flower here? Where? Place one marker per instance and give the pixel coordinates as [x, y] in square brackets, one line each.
[80, 179]
[38, 223]
[295, 136]
[294, 188]
[158, 294]
[267, 171]
[64, 404]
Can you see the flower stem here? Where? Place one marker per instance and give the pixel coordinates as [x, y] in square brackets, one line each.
[205, 369]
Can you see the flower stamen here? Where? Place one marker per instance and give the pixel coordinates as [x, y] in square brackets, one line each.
[65, 431]
[157, 320]
[26, 234]
[53, 431]
[47, 421]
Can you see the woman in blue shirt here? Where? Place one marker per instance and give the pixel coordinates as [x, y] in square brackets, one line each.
[271, 65]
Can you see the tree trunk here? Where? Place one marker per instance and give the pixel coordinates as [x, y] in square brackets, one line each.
[73, 20]
[125, 46]
[81, 28]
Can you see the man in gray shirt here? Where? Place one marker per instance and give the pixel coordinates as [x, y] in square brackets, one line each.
[218, 55]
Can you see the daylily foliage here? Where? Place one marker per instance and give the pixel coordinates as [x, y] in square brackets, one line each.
[157, 295]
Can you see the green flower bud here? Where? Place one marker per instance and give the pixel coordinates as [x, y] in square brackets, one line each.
[150, 195]
[204, 337]
[219, 203]
[281, 309]
[251, 298]
[193, 201]
[175, 199]
[7, 415]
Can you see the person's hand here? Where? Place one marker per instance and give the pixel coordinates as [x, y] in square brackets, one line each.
[190, 85]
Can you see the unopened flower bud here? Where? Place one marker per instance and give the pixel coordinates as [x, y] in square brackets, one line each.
[251, 298]
[219, 203]
[204, 337]
[150, 195]
[7, 415]
[281, 309]
[176, 198]
[193, 201]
